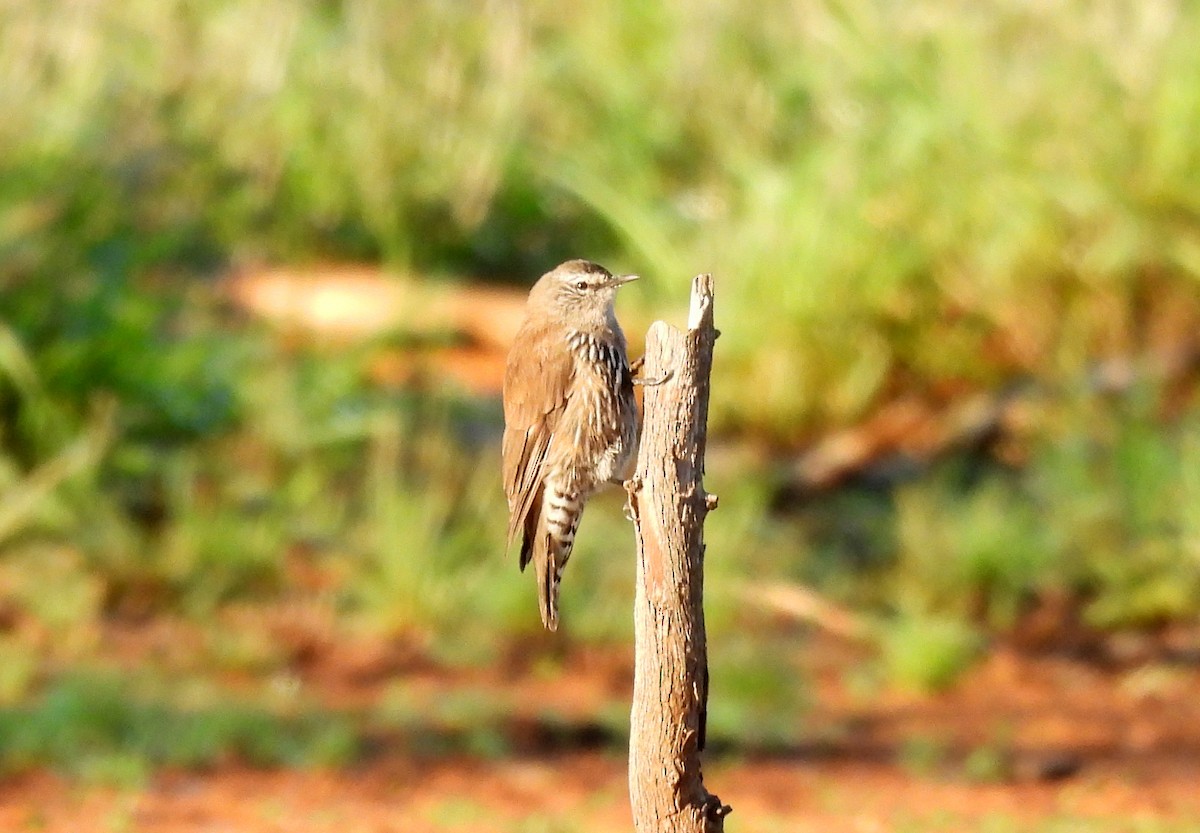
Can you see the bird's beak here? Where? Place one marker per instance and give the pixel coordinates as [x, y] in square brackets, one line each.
[621, 280]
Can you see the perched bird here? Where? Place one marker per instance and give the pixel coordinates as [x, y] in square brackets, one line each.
[570, 418]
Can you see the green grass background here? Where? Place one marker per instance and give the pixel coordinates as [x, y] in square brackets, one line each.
[927, 198]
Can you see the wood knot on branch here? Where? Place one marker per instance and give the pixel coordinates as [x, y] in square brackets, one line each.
[714, 813]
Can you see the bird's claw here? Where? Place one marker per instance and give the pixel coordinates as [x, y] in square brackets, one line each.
[649, 383]
[635, 368]
[631, 485]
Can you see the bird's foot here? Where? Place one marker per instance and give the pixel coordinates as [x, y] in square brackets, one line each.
[649, 383]
[632, 486]
[635, 368]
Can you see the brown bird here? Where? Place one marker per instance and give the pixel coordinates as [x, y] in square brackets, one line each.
[570, 418]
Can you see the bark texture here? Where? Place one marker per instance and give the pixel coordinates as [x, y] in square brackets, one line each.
[669, 504]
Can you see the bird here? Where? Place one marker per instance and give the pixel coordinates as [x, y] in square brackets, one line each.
[571, 421]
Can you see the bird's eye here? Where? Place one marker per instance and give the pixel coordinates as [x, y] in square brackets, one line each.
[581, 285]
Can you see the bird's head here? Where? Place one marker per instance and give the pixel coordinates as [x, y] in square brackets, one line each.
[579, 291]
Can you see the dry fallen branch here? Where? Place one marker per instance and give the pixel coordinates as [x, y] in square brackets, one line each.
[795, 601]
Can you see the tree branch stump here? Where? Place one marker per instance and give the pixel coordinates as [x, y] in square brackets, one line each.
[668, 504]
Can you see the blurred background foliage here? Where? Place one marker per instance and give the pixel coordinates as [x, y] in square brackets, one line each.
[930, 200]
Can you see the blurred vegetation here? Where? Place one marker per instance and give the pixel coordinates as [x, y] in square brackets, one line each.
[92, 729]
[932, 198]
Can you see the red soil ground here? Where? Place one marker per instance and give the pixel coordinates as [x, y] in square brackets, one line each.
[1023, 740]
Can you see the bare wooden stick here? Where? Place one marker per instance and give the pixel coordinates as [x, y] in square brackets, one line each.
[668, 504]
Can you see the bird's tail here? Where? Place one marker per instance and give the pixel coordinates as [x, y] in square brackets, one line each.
[552, 549]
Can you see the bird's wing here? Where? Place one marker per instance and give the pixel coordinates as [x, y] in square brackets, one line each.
[537, 381]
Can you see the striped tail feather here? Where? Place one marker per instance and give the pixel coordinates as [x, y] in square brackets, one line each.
[552, 549]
